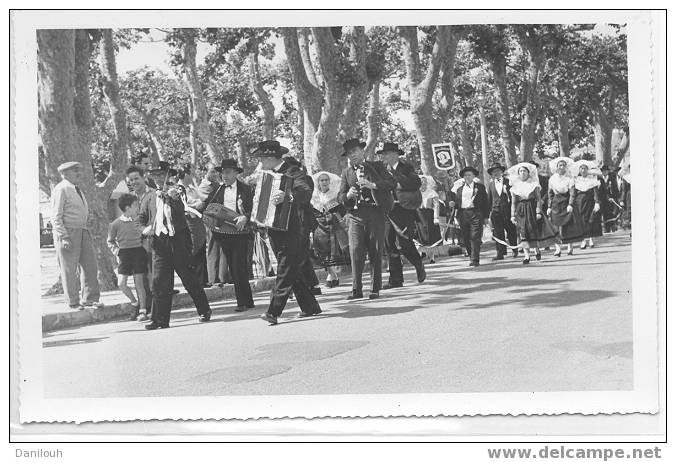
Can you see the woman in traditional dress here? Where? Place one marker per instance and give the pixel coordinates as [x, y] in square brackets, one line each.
[329, 238]
[587, 203]
[533, 228]
[427, 223]
[561, 199]
[625, 193]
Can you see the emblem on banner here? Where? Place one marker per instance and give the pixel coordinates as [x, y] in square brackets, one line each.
[443, 156]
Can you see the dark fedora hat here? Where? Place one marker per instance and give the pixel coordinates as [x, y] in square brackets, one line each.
[230, 163]
[390, 147]
[496, 167]
[270, 148]
[352, 143]
[605, 167]
[163, 167]
[469, 168]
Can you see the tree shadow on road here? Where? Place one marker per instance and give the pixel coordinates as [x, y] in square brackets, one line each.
[462, 294]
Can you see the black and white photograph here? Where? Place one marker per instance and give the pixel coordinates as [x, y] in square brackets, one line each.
[307, 214]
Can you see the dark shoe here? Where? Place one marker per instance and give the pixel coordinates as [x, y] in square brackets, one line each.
[269, 318]
[305, 315]
[175, 291]
[316, 291]
[206, 317]
[570, 251]
[474, 263]
[240, 309]
[499, 257]
[557, 254]
[538, 256]
[355, 295]
[393, 285]
[156, 325]
[515, 253]
[374, 295]
[421, 273]
[526, 261]
[76, 307]
[336, 283]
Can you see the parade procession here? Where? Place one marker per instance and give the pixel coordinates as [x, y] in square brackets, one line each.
[386, 209]
[281, 221]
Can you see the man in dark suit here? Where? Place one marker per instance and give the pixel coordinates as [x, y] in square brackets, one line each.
[500, 200]
[401, 219]
[473, 210]
[170, 241]
[609, 194]
[290, 246]
[233, 248]
[366, 192]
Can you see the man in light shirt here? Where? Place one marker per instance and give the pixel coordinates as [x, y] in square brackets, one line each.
[473, 209]
[72, 239]
[500, 200]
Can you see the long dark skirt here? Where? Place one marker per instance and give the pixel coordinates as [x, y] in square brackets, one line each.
[537, 233]
[330, 241]
[570, 224]
[428, 233]
[591, 221]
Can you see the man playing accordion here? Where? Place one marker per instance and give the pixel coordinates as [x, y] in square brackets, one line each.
[290, 246]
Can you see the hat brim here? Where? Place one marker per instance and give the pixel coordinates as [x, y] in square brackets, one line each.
[237, 169]
[362, 145]
[399, 152]
[492, 169]
[469, 169]
[278, 153]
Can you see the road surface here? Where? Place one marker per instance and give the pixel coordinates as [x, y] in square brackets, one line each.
[560, 324]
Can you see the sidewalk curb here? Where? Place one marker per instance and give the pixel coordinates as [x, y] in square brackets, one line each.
[65, 320]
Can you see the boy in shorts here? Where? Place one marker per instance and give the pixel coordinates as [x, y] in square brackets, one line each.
[124, 240]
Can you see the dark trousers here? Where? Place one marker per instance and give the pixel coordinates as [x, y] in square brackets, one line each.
[173, 254]
[503, 227]
[471, 228]
[198, 264]
[291, 250]
[309, 268]
[366, 234]
[235, 249]
[608, 212]
[397, 244]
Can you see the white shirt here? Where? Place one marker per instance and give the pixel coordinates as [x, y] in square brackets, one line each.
[467, 199]
[499, 185]
[230, 196]
[163, 223]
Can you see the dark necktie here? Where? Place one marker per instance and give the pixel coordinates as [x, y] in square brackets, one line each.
[79, 193]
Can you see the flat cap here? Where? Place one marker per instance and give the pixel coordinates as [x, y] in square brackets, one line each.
[68, 165]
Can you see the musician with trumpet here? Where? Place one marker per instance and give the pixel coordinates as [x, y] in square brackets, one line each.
[171, 244]
[366, 192]
[230, 242]
[290, 244]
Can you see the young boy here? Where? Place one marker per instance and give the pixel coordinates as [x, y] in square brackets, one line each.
[124, 240]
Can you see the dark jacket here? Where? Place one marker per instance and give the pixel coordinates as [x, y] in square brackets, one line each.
[609, 189]
[243, 203]
[481, 203]
[407, 191]
[375, 172]
[301, 217]
[500, 202]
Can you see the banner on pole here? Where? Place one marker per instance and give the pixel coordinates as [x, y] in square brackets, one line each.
[443, 156]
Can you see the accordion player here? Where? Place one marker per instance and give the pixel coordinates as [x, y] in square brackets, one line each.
[264, 212]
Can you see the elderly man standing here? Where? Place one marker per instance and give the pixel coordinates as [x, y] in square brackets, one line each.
[72, 239]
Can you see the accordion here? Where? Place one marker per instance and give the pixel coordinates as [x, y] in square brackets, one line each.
[264, 212]
[220, 219]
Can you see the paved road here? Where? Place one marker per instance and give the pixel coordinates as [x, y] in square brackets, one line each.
[556, 325]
